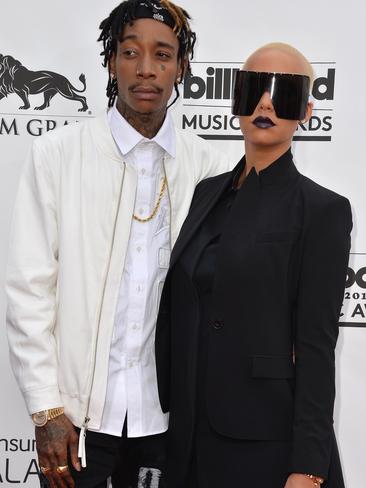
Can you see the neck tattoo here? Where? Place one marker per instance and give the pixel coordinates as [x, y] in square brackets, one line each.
[147, 124]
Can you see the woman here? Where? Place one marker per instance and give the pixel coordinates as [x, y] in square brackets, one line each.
[248, 320]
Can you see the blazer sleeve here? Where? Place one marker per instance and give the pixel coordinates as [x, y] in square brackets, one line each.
[31, 285]
[320, 293]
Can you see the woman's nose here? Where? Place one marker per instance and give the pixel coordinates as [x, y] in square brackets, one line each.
[265, 103]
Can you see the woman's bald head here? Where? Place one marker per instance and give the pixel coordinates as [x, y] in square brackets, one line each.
[280, 58]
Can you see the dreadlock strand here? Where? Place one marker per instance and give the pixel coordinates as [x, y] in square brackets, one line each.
[177, 14]
[177, 95]
[112, 91]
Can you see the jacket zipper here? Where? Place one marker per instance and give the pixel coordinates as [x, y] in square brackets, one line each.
[84, 427]
[170, 204]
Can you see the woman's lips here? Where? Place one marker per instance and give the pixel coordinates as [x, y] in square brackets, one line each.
[263, 122]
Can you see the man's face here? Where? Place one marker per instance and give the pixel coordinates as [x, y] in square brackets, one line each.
[263, 127]
[146, 66]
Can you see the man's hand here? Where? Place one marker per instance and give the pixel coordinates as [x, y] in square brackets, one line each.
[297, 480]
[54, 442]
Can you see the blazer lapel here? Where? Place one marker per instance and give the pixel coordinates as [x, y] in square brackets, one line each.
[201, 206]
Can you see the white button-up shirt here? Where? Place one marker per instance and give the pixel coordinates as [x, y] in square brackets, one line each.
[132, 384]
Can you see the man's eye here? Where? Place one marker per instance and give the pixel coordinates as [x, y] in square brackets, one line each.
[129, 52]
[163, 55]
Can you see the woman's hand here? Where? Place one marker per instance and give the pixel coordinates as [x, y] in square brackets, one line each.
[297, 480]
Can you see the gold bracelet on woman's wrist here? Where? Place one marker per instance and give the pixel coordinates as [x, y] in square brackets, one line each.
[317, 481]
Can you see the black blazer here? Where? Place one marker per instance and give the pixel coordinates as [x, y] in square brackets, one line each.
[278, 290]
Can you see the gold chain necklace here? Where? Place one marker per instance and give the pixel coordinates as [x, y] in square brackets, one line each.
[157, 205]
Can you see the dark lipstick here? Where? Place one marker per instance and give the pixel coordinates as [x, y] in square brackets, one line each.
[263, 122]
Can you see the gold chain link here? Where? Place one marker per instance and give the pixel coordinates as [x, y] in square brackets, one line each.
[156, 208]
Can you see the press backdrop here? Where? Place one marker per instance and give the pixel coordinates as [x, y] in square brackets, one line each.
[61, 37]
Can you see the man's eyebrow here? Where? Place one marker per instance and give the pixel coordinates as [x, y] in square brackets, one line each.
[130, 36]
[165, 44]
[134, 37]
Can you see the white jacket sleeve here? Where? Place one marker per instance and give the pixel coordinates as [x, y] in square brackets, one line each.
[32, 283]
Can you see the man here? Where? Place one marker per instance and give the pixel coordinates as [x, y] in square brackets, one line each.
[99, 207]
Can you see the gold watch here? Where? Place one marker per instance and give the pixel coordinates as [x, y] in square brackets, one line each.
[41, 418]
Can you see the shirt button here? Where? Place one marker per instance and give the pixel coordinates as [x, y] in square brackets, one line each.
[139, 249]
[143, 171]
[132, 362]
[135, 326]
[141, 211]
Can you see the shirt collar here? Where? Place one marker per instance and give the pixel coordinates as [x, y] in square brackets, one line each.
[127, 138]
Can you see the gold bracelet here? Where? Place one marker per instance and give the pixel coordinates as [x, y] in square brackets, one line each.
[52, 413]
[317, 481]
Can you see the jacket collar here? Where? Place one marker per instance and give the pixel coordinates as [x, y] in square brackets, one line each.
[103, 139]
[279, 171]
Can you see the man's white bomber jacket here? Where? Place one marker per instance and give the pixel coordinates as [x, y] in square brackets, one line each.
[68, 244]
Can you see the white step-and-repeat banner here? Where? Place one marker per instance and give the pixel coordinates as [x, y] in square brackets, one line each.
[61, 37]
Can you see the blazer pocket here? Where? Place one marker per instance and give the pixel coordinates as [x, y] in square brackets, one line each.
[280, 367]
[278, 236]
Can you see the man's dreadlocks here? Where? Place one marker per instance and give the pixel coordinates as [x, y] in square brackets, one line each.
[125, 13]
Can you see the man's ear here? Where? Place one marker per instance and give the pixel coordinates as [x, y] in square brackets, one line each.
[112, 65]
[308, 113]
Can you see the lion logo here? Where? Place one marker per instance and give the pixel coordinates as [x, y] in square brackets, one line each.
[15, 78]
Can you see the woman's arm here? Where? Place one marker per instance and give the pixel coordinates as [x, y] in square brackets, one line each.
[320, 294]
